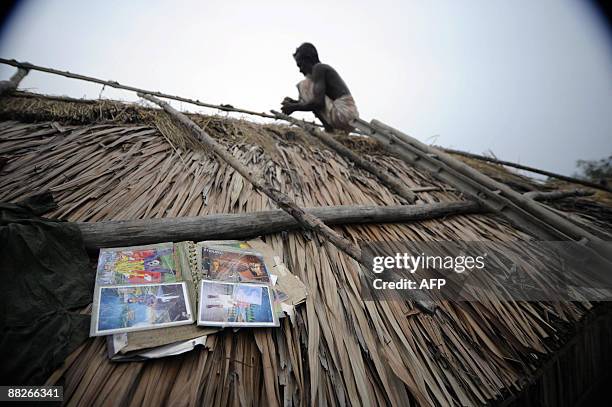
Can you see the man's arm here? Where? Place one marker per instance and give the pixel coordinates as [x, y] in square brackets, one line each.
[317, 102]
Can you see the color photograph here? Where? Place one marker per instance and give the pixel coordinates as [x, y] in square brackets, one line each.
[137, 265]
[228, 304]
[234, 266]
[132, 308]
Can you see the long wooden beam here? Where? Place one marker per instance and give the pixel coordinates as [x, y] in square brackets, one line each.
[439, 170]
[97, 235]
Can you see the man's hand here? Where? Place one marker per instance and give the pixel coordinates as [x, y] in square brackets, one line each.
[288, 105]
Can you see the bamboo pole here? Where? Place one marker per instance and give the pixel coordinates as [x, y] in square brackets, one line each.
[530, 169]
[349, 154]
[561, 225]
[442, 172]
[305, 219]
[12, 84]
[432, 189]
[554, 195]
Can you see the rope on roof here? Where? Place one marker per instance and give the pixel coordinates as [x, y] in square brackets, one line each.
[114, 84]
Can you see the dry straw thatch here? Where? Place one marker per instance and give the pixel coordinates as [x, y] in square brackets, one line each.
[110, 161]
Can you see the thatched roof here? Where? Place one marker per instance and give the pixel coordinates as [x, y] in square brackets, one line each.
[110, 161]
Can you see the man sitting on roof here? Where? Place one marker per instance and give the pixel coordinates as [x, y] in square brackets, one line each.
[323, 92]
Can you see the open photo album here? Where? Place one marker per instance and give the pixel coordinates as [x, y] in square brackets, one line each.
[164, 286]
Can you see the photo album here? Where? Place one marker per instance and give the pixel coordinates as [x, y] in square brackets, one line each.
[154, 300]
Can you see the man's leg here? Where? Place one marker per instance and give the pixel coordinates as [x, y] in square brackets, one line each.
[328, 128]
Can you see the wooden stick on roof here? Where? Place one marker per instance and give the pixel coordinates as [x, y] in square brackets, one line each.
[97, 235]
[117, 85]
[554, 195]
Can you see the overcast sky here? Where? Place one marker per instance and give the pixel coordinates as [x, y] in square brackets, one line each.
[529, 80]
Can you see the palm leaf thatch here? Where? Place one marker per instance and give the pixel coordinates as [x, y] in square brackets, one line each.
[112, 161]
